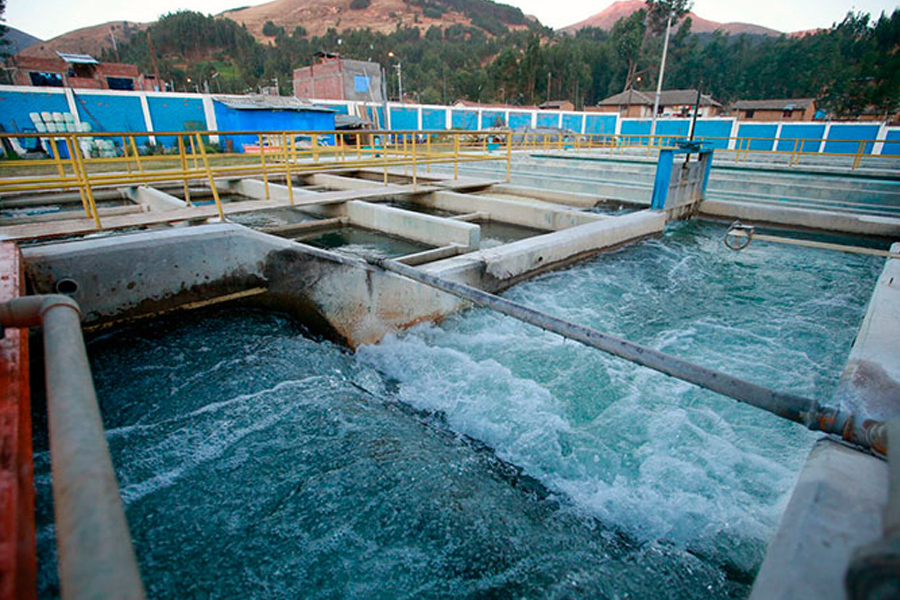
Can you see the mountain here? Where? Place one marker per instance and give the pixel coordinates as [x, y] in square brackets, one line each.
[87, 40]
[317, 16]
[19, 40]
[605, 19]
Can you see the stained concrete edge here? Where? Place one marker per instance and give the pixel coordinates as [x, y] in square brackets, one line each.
[838, 501]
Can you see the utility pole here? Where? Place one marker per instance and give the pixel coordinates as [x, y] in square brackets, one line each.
[659, 82]
[115, 45]
[400, 79]
[153, 58]
[549, 79]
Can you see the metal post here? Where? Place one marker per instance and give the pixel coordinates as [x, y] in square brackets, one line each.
[859, 154]
[88, 192]
[662, 71]
[384, 151]
[209, 175]
[455, 157]
[414, 157]
[96, 558]
[137, 157]
[262, 160]
[696, 110]
[70, 146]
[806, 411]
[315, 147]
[181, 155]
[125, 155]
[508, 156]
[428, 152]
[287, 169]
[194, 150]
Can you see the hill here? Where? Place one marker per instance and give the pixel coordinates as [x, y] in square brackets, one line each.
[19, 40]
[87, 40]
[383, 16]
[605, 19]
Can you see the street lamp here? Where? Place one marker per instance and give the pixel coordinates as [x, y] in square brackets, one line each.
[662, 70]
[399, 67]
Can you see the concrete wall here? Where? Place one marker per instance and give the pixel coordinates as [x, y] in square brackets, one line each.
[803, 218]
[428, 229]
[840, 497]
[510, 211]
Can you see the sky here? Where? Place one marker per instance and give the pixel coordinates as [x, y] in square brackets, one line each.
[48, 18]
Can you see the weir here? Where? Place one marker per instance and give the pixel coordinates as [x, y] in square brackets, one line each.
[295, 231]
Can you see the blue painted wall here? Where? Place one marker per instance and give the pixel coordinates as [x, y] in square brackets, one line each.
[175, 114]
[677, 129]
[15, 106]
[892, 149]
[601, 124]
[714, 129]
[434, 118]
[519, 119]
[465, 119]
[851, 132]
[112, 113]
[791, 133]
[636, 127]
[122, 112]
[573, 122]
[229, 119]
[493, 118]
[754, 130]
[404, 119]
[548, 119]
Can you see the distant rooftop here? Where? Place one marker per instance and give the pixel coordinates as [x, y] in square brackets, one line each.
[265, 102]
[774, 104]
[666, 98]
[84, 59]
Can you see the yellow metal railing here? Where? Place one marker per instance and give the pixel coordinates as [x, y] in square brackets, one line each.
[188, 156]
[794, 149]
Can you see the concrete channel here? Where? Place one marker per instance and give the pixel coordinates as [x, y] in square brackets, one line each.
[173, 255]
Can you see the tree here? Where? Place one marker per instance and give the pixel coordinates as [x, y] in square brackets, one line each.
[4, 43]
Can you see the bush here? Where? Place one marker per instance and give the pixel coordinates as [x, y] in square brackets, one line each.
[360, 4]
[271, 29]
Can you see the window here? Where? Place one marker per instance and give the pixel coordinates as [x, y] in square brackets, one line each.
[361, 84]
[787, 114]
[748, 114]
[46, 79]
[120, 83]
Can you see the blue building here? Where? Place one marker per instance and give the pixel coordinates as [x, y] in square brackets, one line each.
[268, 113]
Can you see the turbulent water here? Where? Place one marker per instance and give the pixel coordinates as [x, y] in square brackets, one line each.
[483, 457]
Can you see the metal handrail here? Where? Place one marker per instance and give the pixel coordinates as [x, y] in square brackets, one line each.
[96, 557]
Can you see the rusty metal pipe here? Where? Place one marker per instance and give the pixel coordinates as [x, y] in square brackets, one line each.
[793, 407]
[96, 556]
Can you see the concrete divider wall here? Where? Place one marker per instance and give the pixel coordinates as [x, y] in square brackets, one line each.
[428, 229]
[511, 211]
[155, 199]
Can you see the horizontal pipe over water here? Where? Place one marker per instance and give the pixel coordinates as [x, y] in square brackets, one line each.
[793, 407]
[96, 556]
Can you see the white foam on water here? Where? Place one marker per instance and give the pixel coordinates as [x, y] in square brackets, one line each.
[654, 456]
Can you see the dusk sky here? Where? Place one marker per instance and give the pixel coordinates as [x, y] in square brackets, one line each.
[48, 18]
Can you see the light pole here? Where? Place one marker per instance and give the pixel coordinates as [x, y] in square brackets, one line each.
[399, 67]
[659, 82]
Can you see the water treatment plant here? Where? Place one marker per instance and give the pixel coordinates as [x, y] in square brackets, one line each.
[430, 364]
